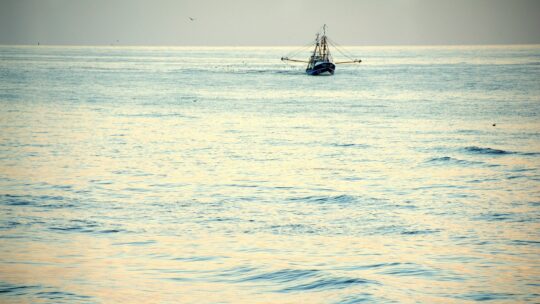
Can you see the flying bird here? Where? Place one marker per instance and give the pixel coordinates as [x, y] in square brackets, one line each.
[192, 19]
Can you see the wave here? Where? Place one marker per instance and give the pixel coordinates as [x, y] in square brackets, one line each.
[530, 153]
[6, 288]
[338, 199]
[196, 258]
[9, 225]
[481, 150]
[328, 283]
[283, 276]
[298, 280]
[526, 243]
[451, 160]
[288, 229]
[62, 295]
[410, 269]
[489, 296]
[466, 131]
[393, 229]
[85, 226]
[419, 232]
[48, 293]
[44, 201]
[514, 217]
[350, 145]
[135, 243]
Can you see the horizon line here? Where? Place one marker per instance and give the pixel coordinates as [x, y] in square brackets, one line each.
[274, 46]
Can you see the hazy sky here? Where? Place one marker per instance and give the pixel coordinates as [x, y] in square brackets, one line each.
[268, 22]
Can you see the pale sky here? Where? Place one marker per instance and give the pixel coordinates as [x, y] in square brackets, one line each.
[268, 22]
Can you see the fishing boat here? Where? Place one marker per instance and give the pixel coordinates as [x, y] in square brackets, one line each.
[320, 62]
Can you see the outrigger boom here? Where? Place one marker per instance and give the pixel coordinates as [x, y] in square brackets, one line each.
[295, 60]
[320, 61]
[353, 61]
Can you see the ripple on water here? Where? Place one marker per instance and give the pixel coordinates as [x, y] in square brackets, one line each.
[328, 283]
[359, 298]
[447, 160]
[62, 295]
[135, 243]
[83, 226]
[16, 290]
[507, 217]
[43, 201]
[298, 280]
[403, 230]
[338, 199]
[487, 296]
[38, 293]
[283, 275]
[350, 145]
[489, 151]
[409, 269]
[420, 232]
[9, 225]
[526, 243]
[197, 258]
[290, 229]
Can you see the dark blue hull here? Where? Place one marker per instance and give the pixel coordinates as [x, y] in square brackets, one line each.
[325, 68]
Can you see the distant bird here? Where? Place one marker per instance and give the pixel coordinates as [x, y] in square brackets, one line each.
[494, 125]
[192, 19]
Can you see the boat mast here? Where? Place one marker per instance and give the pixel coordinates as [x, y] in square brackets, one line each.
[321, 51]
[317, 48]
[324, 45]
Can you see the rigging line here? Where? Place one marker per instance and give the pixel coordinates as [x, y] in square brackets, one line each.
[309, 44]
[341, 49]
[346, 53]
[337, 45]
[298, 51]
[347, 56]
[343, 52]
[320, 31]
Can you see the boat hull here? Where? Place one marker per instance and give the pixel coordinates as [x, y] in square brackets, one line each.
[325, 68]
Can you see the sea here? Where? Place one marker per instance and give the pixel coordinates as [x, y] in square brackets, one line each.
[223, 175]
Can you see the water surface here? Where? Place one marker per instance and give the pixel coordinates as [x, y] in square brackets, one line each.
[221, 175]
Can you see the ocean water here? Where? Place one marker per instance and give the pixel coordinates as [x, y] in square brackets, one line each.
[221, 175]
